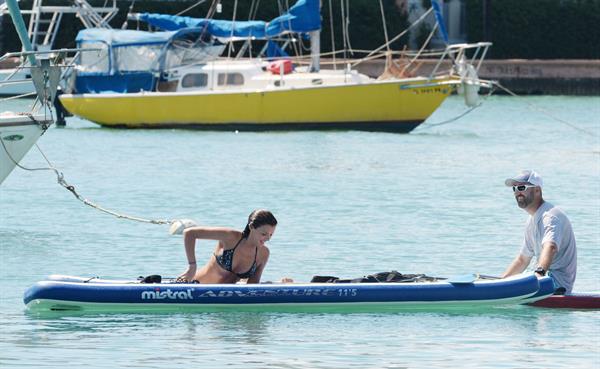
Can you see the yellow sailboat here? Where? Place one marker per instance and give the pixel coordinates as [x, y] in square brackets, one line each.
[397, 105]
[251, 93]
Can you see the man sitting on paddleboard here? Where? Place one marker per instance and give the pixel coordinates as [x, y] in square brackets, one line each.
[548, 234]
[237, 256]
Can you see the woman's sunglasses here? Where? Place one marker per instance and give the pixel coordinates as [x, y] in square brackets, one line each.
[521, 188]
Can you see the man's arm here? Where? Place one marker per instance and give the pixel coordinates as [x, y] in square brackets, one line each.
[517, 266]
[549, 249]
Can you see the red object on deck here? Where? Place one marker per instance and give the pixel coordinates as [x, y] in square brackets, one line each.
[575, 301]
[276, 66]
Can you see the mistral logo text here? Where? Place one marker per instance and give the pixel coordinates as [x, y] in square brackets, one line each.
[167, 294]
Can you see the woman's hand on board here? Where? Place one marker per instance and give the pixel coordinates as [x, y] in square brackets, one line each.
[188, 275]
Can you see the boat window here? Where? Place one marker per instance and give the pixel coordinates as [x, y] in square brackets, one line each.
[94, 61]
[136, 58]
[235, 79]
[167, 86]
[195, 80]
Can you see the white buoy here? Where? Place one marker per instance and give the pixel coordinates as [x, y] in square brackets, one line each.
[461, 71]
[470, 84]
[179, 225]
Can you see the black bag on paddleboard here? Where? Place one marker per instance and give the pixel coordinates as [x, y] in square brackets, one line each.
[154, 278]
[382, 277]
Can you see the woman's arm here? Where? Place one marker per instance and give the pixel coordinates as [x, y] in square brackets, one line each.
[190, 235]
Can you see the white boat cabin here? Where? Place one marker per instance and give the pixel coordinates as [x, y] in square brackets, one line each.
[227, 75]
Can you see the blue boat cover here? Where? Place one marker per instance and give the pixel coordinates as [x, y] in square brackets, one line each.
[117, 37]
[303, 17]
[118, 82]
[135, 56]
[274, 51]
[219, 28]
[113, 79]
[123, 73]
[439, 18]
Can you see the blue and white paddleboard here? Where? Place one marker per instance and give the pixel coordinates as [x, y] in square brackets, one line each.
[67, 293]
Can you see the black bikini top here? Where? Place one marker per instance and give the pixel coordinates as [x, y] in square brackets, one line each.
[225, 261]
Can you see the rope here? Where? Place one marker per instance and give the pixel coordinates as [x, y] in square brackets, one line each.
[18, 96]
[420, 50]
[396, 37]
[544, 111]
[297, 49]
[385, 32]
[256, 10]
[347, 24]
[332, 34]
[303, 46]
[343, 15]
[429, 125]
[191, 7]
[211, 11]
[532, 106]
[60, 176]
[129, 11]
[232, 30]
[61, 181]
[251, 11]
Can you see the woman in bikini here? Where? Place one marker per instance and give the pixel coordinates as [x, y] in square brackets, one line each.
[237, 256]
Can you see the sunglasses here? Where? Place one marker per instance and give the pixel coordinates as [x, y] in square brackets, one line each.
[521, 188]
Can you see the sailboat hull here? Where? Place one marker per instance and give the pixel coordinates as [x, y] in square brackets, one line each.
[18, 133]
[396, 106]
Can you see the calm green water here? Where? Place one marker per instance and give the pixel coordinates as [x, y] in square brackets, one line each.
[348, 204]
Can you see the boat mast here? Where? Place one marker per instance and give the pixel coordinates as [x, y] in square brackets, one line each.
[15, 14]
[315, 48]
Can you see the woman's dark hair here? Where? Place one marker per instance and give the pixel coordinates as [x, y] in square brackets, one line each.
[258, 218]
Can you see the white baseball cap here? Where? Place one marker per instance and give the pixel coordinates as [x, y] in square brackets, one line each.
[526, 176]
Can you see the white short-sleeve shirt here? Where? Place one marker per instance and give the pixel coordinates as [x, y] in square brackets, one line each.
[549, 223]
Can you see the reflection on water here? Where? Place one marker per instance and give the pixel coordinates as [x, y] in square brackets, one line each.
[306, 339]
[253, 327]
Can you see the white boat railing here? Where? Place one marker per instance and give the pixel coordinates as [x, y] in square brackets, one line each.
[44, 21]
[53, 66]
[458, 52]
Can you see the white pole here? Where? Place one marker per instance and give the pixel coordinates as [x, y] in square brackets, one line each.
[315, 50]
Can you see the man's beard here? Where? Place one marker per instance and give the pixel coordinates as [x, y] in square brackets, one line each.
[524, 201]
